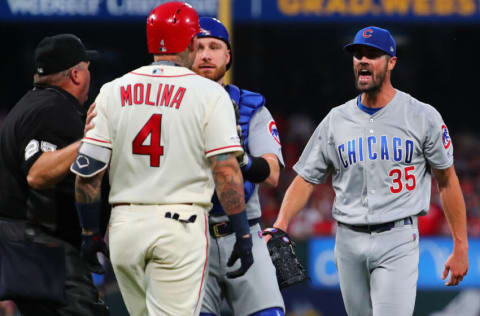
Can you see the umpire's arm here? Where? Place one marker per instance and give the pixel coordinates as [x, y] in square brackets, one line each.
[51, 167]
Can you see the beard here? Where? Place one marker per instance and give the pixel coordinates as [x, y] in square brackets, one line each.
[212, 74]
[374, 86]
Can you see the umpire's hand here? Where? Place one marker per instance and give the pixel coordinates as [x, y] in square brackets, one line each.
[243, 250]
[91, 244]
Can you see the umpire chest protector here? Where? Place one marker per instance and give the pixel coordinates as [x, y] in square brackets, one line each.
[248, 104]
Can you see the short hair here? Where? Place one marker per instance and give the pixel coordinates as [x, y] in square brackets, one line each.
[56, 78]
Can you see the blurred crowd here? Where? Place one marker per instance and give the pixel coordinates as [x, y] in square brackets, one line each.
[316, 218]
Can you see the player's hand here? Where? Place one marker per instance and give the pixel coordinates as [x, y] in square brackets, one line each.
[268, 233]
[241, 250]
[91, 245]
[91, 113]
[457, 265]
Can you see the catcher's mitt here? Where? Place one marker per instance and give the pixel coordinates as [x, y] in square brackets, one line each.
[282, 251]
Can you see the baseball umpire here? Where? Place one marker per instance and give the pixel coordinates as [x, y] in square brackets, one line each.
[381, 149]
[163, 130]
[40, 262]
[257, 293]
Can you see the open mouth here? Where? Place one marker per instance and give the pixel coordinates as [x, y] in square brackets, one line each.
[364, 75]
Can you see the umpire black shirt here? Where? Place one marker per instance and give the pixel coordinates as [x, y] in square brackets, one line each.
[47, 118]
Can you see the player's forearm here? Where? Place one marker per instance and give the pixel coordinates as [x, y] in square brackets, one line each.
[51, 167]
[295, 199]
[455, 212]
[87, 197]
[272, 179]
[228, 183]
[453, 205]
[88, 190]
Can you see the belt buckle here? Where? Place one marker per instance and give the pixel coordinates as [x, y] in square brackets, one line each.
[216, 232]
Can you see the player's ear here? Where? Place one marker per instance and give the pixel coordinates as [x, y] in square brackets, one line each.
[229, 55]
[392, 62]
[74, 74]
[193, 45]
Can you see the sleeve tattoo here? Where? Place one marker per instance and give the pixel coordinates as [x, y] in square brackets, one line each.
[88, 190]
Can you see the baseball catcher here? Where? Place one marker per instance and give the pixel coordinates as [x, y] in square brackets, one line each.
[282, 251]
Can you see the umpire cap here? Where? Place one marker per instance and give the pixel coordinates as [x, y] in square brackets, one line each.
[212, 27]
[60, 52]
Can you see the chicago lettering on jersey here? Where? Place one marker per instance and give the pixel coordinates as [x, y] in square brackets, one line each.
[373, 148]
[161, 95]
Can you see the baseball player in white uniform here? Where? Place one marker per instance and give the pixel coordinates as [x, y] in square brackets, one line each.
[162, 129]
[381, 149]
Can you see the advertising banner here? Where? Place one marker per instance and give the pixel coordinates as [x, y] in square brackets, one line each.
[434, 252]
[288, 11]
[251, 11]
[121, 10]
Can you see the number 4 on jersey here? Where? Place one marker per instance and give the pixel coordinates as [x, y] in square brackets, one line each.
[153, 128]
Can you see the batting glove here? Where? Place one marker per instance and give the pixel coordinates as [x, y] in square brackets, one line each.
[241, 250]
[91, 245]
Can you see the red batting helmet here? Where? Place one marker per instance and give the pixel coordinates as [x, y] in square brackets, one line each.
[170, 28]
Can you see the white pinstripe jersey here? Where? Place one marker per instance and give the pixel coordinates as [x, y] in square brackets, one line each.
[162, 122]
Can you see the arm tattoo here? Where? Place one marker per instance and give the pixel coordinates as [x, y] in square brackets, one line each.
[88, 190]
[229, 190]
[222, 157]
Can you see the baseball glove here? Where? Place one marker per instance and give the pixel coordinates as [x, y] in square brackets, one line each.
[282, 251]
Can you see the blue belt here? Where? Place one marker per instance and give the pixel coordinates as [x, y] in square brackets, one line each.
[378, 228]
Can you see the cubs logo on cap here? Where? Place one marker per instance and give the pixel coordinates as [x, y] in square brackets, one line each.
[367, 33]
[374, 37]
[272, 129]
[447, 141]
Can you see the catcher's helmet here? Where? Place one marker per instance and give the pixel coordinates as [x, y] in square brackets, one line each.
[211, 27]
[170, 28]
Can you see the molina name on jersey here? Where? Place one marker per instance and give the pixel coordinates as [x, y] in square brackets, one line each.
[160, 95]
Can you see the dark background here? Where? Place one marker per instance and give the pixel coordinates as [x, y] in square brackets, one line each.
[298, 67]
[301, 69]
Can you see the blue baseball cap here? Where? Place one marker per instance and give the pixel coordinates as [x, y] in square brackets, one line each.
[374, 37]
[212, 27]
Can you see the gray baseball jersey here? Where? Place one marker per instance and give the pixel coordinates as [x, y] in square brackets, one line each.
[260, 142]
[380, 163]
[258, 289]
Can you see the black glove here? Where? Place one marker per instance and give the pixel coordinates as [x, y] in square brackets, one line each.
[282, 251]
[243, 250]
[91, 244]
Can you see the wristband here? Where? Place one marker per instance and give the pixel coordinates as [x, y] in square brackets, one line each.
[239, 224]
[89, 215]
[258, 170]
